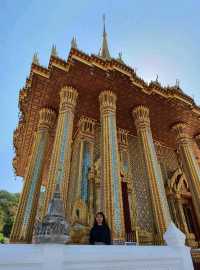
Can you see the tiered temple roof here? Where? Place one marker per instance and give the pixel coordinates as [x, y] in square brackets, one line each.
[90, 74]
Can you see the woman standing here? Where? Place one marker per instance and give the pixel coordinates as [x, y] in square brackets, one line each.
[100, 232]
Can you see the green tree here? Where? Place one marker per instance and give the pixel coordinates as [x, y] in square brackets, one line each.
[2, 239]
[8, 208]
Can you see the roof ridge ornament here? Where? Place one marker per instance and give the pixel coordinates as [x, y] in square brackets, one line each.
[36, 59]
[74, 43]
[104, 51]
[155, 83]
[177, 83]
[119, 59]
[156, 77]
[54, 51]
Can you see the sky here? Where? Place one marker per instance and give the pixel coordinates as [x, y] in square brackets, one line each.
[155, 37]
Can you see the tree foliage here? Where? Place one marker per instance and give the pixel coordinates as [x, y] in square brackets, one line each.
[8, 208]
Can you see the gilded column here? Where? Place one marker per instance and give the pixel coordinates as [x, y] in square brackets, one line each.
[24, 221]
[61, 154]
[158, 196]
[111, 188]
[190, 165]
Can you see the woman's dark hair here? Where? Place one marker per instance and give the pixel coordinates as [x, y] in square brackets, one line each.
[104, 219]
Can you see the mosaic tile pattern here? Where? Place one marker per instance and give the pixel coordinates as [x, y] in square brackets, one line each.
[140, 183]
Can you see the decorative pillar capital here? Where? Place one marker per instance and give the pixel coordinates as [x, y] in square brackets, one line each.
[181, 134]
[141, 116]
[46, 118]
[68, 98]
[107, 101]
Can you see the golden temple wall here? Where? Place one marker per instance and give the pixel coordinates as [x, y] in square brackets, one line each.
[138, 177]
[140, 183]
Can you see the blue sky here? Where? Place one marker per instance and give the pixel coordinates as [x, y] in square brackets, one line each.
[156, 37]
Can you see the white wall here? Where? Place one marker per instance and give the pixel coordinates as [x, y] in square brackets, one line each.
[56, 257]
[175, 256]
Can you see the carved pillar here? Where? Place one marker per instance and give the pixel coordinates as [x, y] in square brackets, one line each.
[61, 154]
[112, 195]
[158, 196]
[190, 165]
[24, 221]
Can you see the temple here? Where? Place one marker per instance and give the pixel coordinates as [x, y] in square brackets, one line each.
[113, 143]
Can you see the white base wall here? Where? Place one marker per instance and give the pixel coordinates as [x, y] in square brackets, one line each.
[64, 257]
[174, 256]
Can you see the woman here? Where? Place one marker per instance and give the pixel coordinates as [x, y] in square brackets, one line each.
[100, 232]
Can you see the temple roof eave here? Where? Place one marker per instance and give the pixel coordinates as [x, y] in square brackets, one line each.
[94, 62]
[108, 65]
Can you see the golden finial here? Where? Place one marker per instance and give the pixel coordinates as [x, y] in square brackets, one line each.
[74, 43]
[54, 51]
[36, 59]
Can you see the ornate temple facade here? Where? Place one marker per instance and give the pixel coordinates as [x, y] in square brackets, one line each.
[113, 143]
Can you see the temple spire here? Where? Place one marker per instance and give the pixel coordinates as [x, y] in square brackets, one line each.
[74, 43]
[104, 52]
[54, 51]
[36, 59]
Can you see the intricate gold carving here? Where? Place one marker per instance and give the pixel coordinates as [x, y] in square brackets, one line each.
[141, 116]
[46, 119]
[68, 98]
[144, 215]
[122, 137]
[107, 101]
[189, 163]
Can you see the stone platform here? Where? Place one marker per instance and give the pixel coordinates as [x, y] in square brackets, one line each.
[63, 257]
[173, 256]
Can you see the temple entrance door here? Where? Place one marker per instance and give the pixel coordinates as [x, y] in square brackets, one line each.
[126, 209]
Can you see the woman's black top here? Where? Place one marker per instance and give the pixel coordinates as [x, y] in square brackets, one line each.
[100, 233]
